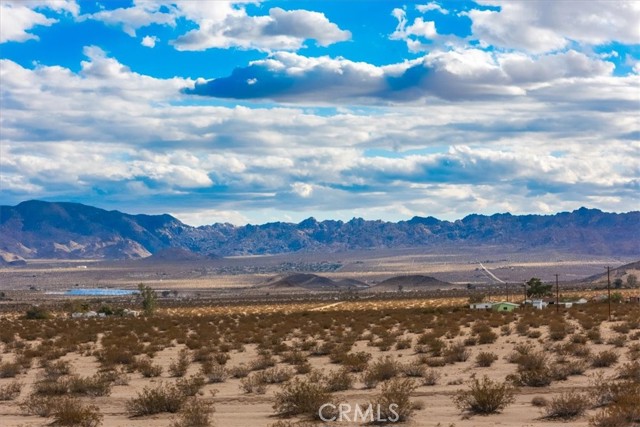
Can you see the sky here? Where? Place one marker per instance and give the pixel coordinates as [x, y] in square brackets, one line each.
[262, 111]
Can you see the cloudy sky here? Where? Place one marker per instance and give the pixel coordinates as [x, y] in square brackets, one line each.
[265, 111]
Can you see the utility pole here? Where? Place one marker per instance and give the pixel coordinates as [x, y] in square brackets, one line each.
[609, 289]
[557, 295]
[506, 289]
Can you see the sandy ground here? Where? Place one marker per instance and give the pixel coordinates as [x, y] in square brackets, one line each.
[235, 409]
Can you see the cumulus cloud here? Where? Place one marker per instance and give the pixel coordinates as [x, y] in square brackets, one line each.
[149, 41]
[459, 74]
[18, 17]
[423, 8]
[226, 24]
[126, 139]
[540, 26]
[141, 14]
[415, 34]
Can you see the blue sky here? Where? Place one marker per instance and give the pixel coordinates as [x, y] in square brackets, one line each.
[266, 111]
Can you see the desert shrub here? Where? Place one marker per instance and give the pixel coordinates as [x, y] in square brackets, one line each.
[190, 386]
[10, 391]
[301, 397]
[403, 343]
[485, 359]
[37, 313]
[382, 369]
[96, 385]
[162, 398]
[221, 358]
[42, 406]
[145, 366]
[579, 339]
[253, 384]
[394, 403]
[456, 353]
[356, 362]
[470, 341]
[70, 412]
[303, 369]
[594, 335]
[520, 350]
[413, 369]
[59, 368]
[435, 362]
[629, 371]
[194, 413]
[51, 387]
[604, 359]
[430, 377]
[539, 402]
[618, 341]
[487, 337]
[9, 369]
[624, 411]
[240, 371]
[485, 396]
[558, 330]
[340, 380]
[178, 368]
[217, 373]
[566, 406]
[576, 367]
[533, 370]
[633, 352]
[294, 357]
[534, 334]
[262, 362]
[275, 375]
[115, 377]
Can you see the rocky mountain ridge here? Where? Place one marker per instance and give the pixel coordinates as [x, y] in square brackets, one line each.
[37, 229]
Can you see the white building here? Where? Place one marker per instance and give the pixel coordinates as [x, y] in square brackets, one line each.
[481, 306]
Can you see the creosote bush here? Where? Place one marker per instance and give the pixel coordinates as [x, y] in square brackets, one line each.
[485, 359]
[567, 406]
[71, 412]
[395, 392]
[162, 398]
[10, 391]
[485, 396]
[194, 413]
[301, 397]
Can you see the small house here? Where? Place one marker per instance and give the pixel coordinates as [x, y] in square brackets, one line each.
[504, 306]
[539, 304]
[481, 306]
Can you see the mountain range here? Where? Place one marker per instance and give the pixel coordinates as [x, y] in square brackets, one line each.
[38, 229]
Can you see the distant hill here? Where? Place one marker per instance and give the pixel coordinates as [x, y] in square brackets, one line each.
[303, 281]
[174, 254]
[415, 282]
[36, 229]
[621, 272]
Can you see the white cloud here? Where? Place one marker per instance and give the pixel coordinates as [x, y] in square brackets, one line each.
[18, 17]
[280, 30]
[226, 24]
[455, 74]
[141, 14]
[132, 140]
[416, 33]
[302, 189]
[149, 41]
[540, 26]
[423, 8]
